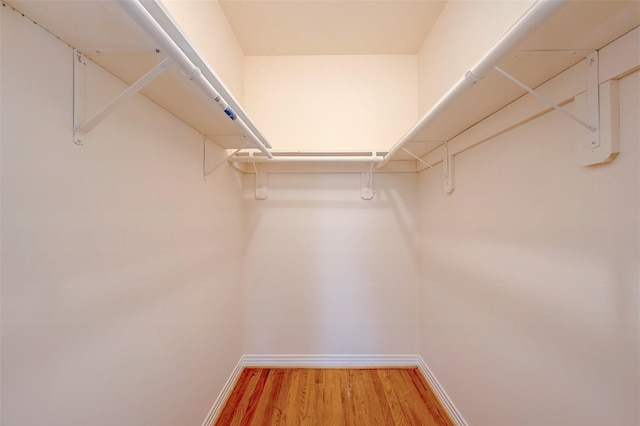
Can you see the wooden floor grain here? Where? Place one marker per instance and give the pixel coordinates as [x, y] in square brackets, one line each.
[303, 396]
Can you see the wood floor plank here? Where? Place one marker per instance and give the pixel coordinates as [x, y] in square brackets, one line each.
[316, 395]
[327, 396]
[305, 394]
[236, 400]
[246, 407]
[346, 397]
[290, 415]
[278, 417]
[392, 399]
[372, 409]
[336, 397]
[358, 396]
[429, 398]
[412, 405]
[256, 388]
[337, 414]
[266, 403]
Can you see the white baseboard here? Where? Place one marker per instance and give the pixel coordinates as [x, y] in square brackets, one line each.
[320, 361]
[327, 361]
[448, 404]
[224, 394]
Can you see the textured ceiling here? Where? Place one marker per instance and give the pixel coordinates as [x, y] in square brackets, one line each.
[331, 27]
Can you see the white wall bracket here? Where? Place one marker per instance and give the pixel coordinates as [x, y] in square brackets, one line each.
[262, 180]
[597, 140]
[447, 163]
[81, 127]
[602, 102]
[366, 184]
[448, 172]
[593, 101]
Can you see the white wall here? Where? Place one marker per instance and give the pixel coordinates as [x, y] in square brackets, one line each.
[329, 273]
[530, 297]
[447, 52]
[206, 26]
[121, 290]
[332, 102]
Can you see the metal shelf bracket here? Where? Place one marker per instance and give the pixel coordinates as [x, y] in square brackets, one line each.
[600, 102]
[597, 140]
[447, 163]
[206, 171]
[82, 127]
[448, 172]
[366, 184]
[262, 190]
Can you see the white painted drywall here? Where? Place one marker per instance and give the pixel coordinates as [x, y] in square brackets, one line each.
[121, 289]
[448, 52]
[332, 102]
[329, 273]
[208, 30]
[530, 293]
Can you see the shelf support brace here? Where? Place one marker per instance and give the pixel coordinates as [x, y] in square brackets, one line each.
[429, 165]
[447, 164]
[550, 102]
[80, 130]
[262, 191]
[205, 172]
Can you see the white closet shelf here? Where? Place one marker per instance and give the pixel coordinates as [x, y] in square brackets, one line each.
[106, 33]
[562, 39]
[552, 37]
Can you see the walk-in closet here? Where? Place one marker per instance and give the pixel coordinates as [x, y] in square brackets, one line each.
[194, 188]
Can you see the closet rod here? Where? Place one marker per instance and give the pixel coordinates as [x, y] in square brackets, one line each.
[524, 27]
[137, 11]
[309, 159]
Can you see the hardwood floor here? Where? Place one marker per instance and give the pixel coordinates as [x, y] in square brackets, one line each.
[302, 396]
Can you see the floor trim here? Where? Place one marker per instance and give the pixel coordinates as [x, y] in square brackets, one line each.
[334, 361]
[448, 404]
[320, 361]
[224, 394]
